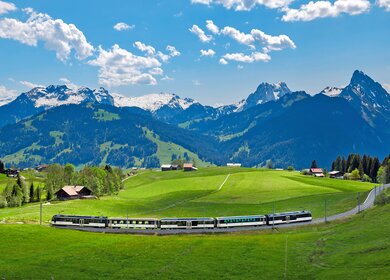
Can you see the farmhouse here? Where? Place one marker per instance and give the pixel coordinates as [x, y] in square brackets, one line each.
[336, 174]
[73, 192]
[166, 167]
[317, 172]
[233, 165]
[42, 167]
[189, 167]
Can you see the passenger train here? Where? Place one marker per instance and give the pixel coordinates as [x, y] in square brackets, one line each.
[181, 223]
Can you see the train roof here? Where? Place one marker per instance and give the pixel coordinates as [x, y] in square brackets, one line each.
[242, 217]
[289, 213]
[187, 219]
[79, 217]
[134, 219]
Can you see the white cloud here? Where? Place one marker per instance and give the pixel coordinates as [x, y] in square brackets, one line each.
[30, 85]
[167, 78]
[240, 37]
[323, 9]
[223, 61]
[68, 83]
[6, 7]
[212, 27]
[121, 26]
[201, 34]
[208, 52]
[55, 33]
[119, 67]
[196, 83]
[253, 57]
[245, 5]
[384, 4]
[7, 95]
[172, 51]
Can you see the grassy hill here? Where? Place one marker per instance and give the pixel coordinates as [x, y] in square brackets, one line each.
[356, 249]
[197, 194]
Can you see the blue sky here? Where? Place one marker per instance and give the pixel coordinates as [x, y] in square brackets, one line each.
[307, 45]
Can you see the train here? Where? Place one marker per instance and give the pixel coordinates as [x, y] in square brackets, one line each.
[60, 220]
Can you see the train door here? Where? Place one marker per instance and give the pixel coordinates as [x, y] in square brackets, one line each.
[189, 225]
[287, 219]
[81, 222]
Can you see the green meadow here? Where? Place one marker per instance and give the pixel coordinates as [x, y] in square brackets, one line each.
[358, 248]
[197, 194]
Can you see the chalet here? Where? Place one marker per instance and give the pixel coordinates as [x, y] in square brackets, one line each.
[175, 167]
[233, 165]
[166, 167]
[11, 172]
[317, 172]
[189, 167]
[42, 167]
[73, 192]
[336, 174]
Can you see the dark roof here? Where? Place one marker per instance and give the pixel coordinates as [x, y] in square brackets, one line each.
[187, 219]
[289, 213]
[242, 217]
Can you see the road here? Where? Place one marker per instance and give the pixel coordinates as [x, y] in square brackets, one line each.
[368, 203]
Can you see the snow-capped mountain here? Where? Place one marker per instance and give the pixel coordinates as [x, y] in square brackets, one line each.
[153, 102]
[53, 96]
[370, 99]
[264, 93]
[331, 91]
[6, 99]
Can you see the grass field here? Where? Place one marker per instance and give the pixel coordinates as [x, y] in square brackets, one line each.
[178, 193]
[356, 249]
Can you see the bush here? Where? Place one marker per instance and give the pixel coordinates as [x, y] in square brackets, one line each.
[383, 198]
[3, 202]
[290, 168]
[305, 172]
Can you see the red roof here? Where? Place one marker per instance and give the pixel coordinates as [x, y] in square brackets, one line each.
[316, 170]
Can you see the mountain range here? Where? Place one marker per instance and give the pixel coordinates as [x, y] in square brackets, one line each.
[86, 126]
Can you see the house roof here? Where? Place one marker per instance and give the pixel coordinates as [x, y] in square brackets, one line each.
[166, 166]
[188, 165]
[72, 190]
[316, 170]
[334, 172]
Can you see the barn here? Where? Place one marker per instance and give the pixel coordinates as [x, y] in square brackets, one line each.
[73, 192]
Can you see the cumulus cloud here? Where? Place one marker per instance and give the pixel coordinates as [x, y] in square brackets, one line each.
[30, 85]
[201, 34]
[323, 9]
[259, 43]
[208, 52]
[253, 57]
[121, 26]
[7, 95]
[119, 67]
[384, 4]
[56, 35]
[245, 5]
[68, 83]
[212, 27]
[6, 7]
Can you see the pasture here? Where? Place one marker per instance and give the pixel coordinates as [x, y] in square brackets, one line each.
[199, 194]
[354, 249]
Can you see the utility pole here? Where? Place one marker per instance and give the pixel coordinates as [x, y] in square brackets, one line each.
[40, 213]
[127, 217]
[285, 259]
[326, 218]
[358, 202]
[273, 217]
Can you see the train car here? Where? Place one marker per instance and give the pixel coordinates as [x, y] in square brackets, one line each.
[79, 221]
[241, 221]
[289, 217]
[187, 223]
[133, 223]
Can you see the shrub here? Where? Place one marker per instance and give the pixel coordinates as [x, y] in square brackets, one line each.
[383, 198]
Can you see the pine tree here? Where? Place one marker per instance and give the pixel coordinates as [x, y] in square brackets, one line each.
[365, 164]
[361, 170]
[32, 193]
[374, 169]
[2, 166]
[314, 164]
[344, 165]
[38, 194]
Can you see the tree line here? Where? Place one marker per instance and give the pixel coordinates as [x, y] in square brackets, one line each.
[100, 180]
[364, 167]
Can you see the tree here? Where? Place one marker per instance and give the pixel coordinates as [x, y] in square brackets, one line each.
[32, 192]
[38, 194]
[381, 177]
[314, 164]
[290, 168]
[374, 169]
[23, 187]
[2, 166]
[269, 164]
[54, 179]
[355, 174]
[69, 171]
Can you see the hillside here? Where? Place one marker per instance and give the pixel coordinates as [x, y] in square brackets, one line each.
[97, 134]
[320, 252]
